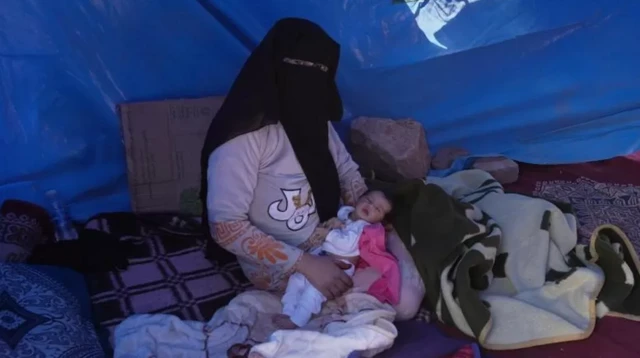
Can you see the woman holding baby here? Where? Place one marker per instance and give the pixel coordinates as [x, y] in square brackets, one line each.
[275, 171]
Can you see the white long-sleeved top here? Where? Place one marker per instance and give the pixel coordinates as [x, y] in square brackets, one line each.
[344, 241]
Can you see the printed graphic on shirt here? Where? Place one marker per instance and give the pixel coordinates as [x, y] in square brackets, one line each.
[292, 210]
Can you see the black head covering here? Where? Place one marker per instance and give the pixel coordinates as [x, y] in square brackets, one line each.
[290, 78]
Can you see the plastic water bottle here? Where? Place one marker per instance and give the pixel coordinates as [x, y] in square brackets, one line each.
[60, 218]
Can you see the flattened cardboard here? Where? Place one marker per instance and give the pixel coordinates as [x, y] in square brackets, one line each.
[163, 140]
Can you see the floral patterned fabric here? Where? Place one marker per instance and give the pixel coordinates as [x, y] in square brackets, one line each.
[22, 227]
[45, 312]
[605, 192]
[597, 204]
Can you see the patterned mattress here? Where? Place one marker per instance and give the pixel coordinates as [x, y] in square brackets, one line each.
[167, 273]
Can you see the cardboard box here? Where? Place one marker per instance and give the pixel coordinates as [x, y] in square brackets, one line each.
[163, 140]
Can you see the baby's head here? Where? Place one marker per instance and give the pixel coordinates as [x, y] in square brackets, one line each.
[373, 206]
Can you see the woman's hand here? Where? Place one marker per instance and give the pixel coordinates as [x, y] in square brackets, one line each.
[331, 224]
[326, 275]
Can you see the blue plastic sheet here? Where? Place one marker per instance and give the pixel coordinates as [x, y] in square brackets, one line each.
[541, 81]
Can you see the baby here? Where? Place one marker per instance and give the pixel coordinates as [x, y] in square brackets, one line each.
[301, 300]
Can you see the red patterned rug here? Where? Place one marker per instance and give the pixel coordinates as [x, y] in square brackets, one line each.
[600, 192]
[605, 192]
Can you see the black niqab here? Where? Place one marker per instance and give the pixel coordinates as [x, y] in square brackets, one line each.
[289, 78]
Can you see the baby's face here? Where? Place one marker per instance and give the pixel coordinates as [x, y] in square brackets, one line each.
[372, 207]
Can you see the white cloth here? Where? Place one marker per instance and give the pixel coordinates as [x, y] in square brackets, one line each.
[338, 340]
[355, 322]
[301, 300]
[344, 241]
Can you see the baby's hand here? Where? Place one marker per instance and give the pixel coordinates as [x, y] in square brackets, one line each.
[334, 223]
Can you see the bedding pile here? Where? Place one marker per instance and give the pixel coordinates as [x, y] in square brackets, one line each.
[354, 322]
[506, 268]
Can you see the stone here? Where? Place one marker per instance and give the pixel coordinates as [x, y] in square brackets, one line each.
[504, 170]
[445, 157]
[392, 149]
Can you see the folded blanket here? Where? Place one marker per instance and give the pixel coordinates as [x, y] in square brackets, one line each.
[505, 268]
[355, 322]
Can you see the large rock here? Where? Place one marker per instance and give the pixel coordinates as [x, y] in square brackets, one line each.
[392, 149]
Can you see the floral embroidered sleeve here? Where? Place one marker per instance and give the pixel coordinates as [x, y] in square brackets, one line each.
[271, 261]
[232, 178]
[351, 182]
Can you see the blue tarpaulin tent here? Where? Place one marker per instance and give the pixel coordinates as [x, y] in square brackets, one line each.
[541, 81]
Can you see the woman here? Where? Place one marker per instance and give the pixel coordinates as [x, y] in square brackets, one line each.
[274, 169]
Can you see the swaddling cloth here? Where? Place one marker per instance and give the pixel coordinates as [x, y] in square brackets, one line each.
[301, 300]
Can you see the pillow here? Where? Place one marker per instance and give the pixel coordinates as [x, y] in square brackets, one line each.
[45, 311]
[22, 226]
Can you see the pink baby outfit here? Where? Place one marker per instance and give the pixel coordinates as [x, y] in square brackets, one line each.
[374, 254]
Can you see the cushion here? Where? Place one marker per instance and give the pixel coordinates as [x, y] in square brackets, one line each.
[167, 273]
[45, 312]
[22, 226]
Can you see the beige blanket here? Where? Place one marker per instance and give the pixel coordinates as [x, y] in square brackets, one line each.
[506, 268]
